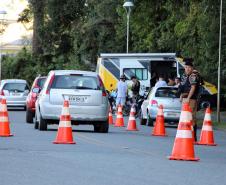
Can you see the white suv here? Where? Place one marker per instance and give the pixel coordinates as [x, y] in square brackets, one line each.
[85, 92]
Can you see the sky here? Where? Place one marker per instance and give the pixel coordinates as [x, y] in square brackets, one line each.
[14, 31]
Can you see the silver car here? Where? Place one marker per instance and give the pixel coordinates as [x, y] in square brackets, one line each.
[15, 91]
[166, 96]
[85, 92]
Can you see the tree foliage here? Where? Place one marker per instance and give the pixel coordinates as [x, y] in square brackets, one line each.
[72, 33]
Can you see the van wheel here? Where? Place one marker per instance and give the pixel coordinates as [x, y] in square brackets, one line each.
[101, 128]
[29, 116]
[42, 124]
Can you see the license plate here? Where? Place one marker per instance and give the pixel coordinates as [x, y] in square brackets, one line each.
[172, 114]
[15, 94]
[78, 99]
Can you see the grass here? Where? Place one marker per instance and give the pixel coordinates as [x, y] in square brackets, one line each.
[216, 125]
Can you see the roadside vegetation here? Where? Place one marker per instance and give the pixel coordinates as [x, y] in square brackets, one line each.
[70, 34]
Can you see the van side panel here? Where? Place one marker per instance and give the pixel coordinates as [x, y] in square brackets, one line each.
[108, 77]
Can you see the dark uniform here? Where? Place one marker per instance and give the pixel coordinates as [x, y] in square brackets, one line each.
[186, 82]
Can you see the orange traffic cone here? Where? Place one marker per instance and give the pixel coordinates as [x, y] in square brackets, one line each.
[183, 148]
[159, 128]
[207, 136]
[4, 120]
[64, 134]
[132, 120]
[119, 120]
[110, 117]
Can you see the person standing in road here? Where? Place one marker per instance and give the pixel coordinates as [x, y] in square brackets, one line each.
[161, 82]
[135, 88]
[189, 89]
[121, 92]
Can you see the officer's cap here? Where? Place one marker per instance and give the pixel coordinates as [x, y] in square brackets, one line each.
[188, 62]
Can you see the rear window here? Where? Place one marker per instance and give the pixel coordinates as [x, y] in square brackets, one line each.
[41, 82]
[20, 87]
[75, 82]
[166, 93]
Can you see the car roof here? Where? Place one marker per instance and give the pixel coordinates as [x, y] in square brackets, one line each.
[41, 77]
[13, 81]
[165, 87]
[66, 72]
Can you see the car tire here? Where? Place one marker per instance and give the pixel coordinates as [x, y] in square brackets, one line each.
[36, 123]
[42, 124]
[101, 128]
[29, 116]
[142, 120]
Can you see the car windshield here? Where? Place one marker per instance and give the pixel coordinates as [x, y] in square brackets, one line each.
[19, 87]
[75, 82]
[166, 93]
[41, 82]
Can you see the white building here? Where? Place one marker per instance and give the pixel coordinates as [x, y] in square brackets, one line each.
[16, 35]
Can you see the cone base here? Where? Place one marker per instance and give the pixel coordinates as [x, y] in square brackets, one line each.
[8, 135]
[207, 144]
[64, 142]
[119, 125]
[161, 135]
[183, 158]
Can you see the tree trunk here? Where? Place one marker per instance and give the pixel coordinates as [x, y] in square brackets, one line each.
[38, 10]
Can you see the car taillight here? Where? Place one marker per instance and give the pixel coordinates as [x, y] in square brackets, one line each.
[34, 95]
[101, 84]
[50, 84]
[2, 93]
[104, 93]
[154, 103]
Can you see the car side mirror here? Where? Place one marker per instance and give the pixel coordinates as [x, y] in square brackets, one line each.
[36, 90]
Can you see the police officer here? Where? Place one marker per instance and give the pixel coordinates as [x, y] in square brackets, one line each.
[189, 89]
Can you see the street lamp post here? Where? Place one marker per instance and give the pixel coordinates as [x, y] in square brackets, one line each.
[219, 66]
[2, 13]
[128, 5]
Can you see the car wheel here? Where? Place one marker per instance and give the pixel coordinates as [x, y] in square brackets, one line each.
[42, 124]
[36, 124]
[29, 116]
[150, 121]
[102, 128]
[204, 104]
[142, 120]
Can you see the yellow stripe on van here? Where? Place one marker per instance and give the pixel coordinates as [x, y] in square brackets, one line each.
[107, 78]
[210, 88]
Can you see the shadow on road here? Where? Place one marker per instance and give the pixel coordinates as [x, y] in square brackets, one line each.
[74, 130]
[16, 109]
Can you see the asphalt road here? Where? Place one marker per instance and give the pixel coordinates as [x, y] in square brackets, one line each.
[116, 158]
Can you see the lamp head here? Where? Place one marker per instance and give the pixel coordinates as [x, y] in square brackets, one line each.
[128, 5]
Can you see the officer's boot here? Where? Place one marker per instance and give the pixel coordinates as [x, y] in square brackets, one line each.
[195, 132]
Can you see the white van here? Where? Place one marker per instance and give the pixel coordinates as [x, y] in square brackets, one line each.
[110, 66]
